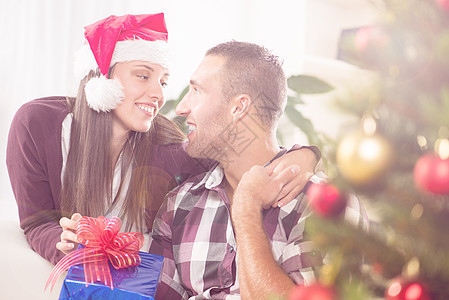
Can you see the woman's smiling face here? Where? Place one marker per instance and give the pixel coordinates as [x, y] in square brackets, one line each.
[143, 84]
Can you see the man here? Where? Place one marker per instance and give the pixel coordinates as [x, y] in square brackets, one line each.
[219, 234]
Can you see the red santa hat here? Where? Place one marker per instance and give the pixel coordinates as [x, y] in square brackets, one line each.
[119, 39]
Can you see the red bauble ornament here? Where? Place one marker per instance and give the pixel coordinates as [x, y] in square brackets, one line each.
[406, 290]
[326, 200]
[315, 291]
[432, 174]
[444, 4]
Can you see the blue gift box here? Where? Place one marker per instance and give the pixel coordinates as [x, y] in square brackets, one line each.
[129, 283]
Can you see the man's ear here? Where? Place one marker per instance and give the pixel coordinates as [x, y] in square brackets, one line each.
[240, 106]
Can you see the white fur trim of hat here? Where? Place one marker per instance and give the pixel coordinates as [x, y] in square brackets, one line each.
[103, 94]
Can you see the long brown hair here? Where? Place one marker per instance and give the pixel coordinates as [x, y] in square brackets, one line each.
[88, 179]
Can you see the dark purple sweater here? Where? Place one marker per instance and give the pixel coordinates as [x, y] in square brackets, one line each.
[34, 161]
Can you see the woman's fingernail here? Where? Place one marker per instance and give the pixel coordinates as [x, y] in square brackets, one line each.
[294, 169]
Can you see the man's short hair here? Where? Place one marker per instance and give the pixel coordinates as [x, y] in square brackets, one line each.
[253, 70]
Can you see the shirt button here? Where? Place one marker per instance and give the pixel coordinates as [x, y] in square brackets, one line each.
[231, 249]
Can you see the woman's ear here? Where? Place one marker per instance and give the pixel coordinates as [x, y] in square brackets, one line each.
[240, 106]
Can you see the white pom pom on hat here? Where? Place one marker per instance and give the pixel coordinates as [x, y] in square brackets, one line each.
[119, 39]
[103, 94]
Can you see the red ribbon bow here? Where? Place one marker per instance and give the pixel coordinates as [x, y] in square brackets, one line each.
[103, 242]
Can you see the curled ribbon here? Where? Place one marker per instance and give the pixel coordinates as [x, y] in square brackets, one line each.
[103, 242]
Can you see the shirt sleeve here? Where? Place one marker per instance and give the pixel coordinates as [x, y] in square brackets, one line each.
[30, 183]
[195, 166]
[314, 149]
[173, 158]
[300, 257]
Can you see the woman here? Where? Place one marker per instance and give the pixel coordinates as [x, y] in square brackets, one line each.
[107, 151]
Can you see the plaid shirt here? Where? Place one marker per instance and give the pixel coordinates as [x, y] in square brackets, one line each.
[194, 233]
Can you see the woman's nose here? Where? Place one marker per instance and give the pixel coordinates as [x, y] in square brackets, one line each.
[155, 91]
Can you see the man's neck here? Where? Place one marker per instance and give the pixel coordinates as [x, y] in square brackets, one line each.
[259, 152]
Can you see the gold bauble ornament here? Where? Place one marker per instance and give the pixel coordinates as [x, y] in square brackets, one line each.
[362, 159]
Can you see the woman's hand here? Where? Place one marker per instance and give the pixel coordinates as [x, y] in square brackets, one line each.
[257, 189]
[69, 241]
[306, 160]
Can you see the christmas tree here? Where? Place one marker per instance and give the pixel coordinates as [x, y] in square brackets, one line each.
[396, 160]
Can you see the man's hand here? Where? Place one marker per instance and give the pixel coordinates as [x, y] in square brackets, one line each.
[258, 189]
[69, 241]
[255, 191]
[306, 160]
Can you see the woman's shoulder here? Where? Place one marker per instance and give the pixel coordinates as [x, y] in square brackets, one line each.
[40, 117]
[46, 105]
[43, 110]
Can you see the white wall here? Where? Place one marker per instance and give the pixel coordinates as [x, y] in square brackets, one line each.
[324, 20]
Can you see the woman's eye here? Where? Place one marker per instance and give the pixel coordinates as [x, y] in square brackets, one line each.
[164, 84]
[144, 77]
